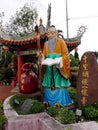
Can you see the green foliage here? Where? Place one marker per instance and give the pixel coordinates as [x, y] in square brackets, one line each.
[20, 99]
[8, 72]
[1, 106]
[2, 120]
[72, 92]
[74, 67]
[53, 110]
[73, 95]
[8, 66]
[7, 75]
[23, 22]
[2, 116]
[63, 115]
[66, 116]
[68, 128]
[95, 105]
[6, 58]
[74, 61]
[90, 113]
[37, 107]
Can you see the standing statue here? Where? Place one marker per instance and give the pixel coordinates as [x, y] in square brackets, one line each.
[56, 78]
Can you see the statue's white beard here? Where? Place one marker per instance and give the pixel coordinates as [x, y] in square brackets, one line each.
[52, 44]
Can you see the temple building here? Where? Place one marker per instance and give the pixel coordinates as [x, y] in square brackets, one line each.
[26, 48]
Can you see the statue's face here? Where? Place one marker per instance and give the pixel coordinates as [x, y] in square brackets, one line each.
[51, 33]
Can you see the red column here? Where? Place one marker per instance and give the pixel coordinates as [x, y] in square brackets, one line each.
[20, 63]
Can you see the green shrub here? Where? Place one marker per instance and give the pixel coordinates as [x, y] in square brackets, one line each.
[95, 105]
[20, 100]
[2, 116]
[6, 75]
[74, 61]
[37, 107]
[53, 110]
[1, 106]
[66, 116]
[90, 113]
[2, 120]
[13, 104]
[73, 95]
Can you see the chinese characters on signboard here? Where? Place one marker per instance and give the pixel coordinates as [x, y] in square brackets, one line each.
[84, 81]
[87, 81]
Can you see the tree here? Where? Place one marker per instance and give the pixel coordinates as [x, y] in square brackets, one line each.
[23, 22]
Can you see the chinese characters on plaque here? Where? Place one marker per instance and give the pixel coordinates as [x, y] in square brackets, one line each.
[87, 82]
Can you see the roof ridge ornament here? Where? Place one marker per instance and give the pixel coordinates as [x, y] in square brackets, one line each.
[48, 16]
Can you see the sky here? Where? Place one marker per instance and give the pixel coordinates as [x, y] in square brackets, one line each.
[80, 12]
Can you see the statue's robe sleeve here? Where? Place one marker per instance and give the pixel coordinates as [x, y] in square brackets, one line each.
[66, 59]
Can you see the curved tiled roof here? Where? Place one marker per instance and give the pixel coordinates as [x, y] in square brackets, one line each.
[31, 39]
[71, 44]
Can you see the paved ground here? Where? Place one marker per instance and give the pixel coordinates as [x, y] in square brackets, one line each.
[5, 91]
